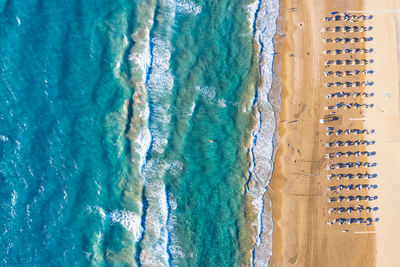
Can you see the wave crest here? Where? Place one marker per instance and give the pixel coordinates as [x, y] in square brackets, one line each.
[188, 7]
[129, 220]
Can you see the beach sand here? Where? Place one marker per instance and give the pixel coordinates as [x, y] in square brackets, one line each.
[385, 119]
[302, 235]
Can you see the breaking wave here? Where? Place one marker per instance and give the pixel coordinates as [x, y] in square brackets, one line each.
[264, 14]
[128, 220]
[187, 7]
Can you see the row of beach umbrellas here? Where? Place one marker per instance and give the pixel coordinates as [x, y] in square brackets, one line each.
[343, 105]
[352, 198]
[349, 154]
[330, 62]
[348, 94]
[348, 51]
[350, 143]
[347, 40]
[348, 165]
[359, 208]
[352, 187]
[348, 131]
[348, 29]
[350, 176]
[339, 74]
[347, 17]
[341, 221]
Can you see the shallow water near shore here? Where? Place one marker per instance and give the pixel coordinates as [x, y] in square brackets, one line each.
[130, 131]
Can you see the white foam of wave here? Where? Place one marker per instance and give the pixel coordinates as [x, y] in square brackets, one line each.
[129, 220]
[125, 40]
[97, 210]
[221, 103]
[188, 7]
[251, 12]
[14, 198]
[155, 241]
[175, 167]
[140, 58]
[192, 108]
[207, 92]
[4, 138]
[160, 83]
[161, 53]
[139, 134]
[175, 246]
[96, 256]
[264, 131]
[142, 145]
[180, 256]
[158, 87]
[172, 202]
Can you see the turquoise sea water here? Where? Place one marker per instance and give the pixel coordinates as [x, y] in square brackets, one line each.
[125, 132]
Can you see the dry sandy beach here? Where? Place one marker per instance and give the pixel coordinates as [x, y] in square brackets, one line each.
[316, 219]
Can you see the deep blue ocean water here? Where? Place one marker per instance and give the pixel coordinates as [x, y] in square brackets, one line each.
[124, 132]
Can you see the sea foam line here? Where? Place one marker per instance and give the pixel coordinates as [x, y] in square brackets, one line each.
[138, 132]
[262, 145]
[159, 84]
[155, 240]
[187, 7]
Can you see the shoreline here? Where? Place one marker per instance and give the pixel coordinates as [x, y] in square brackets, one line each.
[262, 143]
